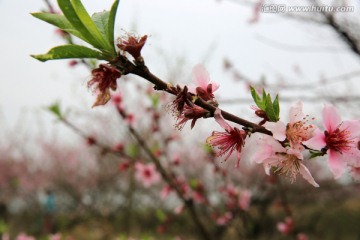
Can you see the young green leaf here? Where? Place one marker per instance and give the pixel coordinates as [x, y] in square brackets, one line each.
[89, 24]
[111, 23]
[69, 51]
[276, 106]
[76, 14]
[259, 102]
[160, 215]
[155, 100]
[101, 20]
[59, 21]
[55, 109]
[314, 154]
[269, 109]
[71, 15]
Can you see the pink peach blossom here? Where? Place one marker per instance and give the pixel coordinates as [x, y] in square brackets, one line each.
[286, 161]
[204, 87]
[224, 219]
[146, 174]
[286, 227]
[229, 141]
[340, 140]
[23, 236]
[296, 131]
[301, 236]
[245, 199]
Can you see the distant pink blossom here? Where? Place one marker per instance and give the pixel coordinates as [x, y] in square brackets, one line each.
[204, 87]
[245, 199]
[224, 219]
[165, 192]
[123, 166]
[286, 161]
[117, 100]
[229, 141]
[198, 197]
[296, 131]
[146, 174]
[340, 140]
[301, 236]
[286, 227]
[23, 236]
[179, 209]
[55, 236]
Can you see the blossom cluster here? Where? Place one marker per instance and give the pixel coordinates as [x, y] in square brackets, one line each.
[289, 145]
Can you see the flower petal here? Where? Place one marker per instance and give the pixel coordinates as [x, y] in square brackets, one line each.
[215, 86]
[336, 163]
[317, 142]
[296, 113]
[295, 152]
[305, 173]
[331, 118]
[353, 126]
[201, 77]
[221, 121]
[262, 153]
[278, 129]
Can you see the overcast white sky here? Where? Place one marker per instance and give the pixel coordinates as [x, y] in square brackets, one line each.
[198, 30]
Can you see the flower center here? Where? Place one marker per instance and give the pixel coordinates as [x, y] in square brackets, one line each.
[289, 165]
[298, 132]
[147, 173]
[339, 140]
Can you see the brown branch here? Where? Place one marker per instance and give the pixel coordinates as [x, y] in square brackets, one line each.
[125, 66]
[350, 40]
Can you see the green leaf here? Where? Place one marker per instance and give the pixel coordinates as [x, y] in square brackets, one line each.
[111, 23]
[89, 24]
[276, 106]
[55, 109]
[155, 99]
[264, 95]
[81, 23]
[132, 150]
[269, 109]
[193, 183]
[160, 215]
[259, 102]
[314, 154]
[59, 21]
[69, 51]
[101, 20]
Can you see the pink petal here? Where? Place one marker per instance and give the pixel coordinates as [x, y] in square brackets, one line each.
[200, 76]
[295, 152]
[269, 162]
[262, 153]
[192, 88]
[353, 126]
[305, 173]
[296, 113]
[352, 156]
[275, 145]
[278, 129]
[317, 142]
[215, 86]
[336, 163]
[331, 118]
[221, 121]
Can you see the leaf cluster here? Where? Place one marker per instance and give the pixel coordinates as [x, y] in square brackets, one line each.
[96, 30]
[264, 102]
